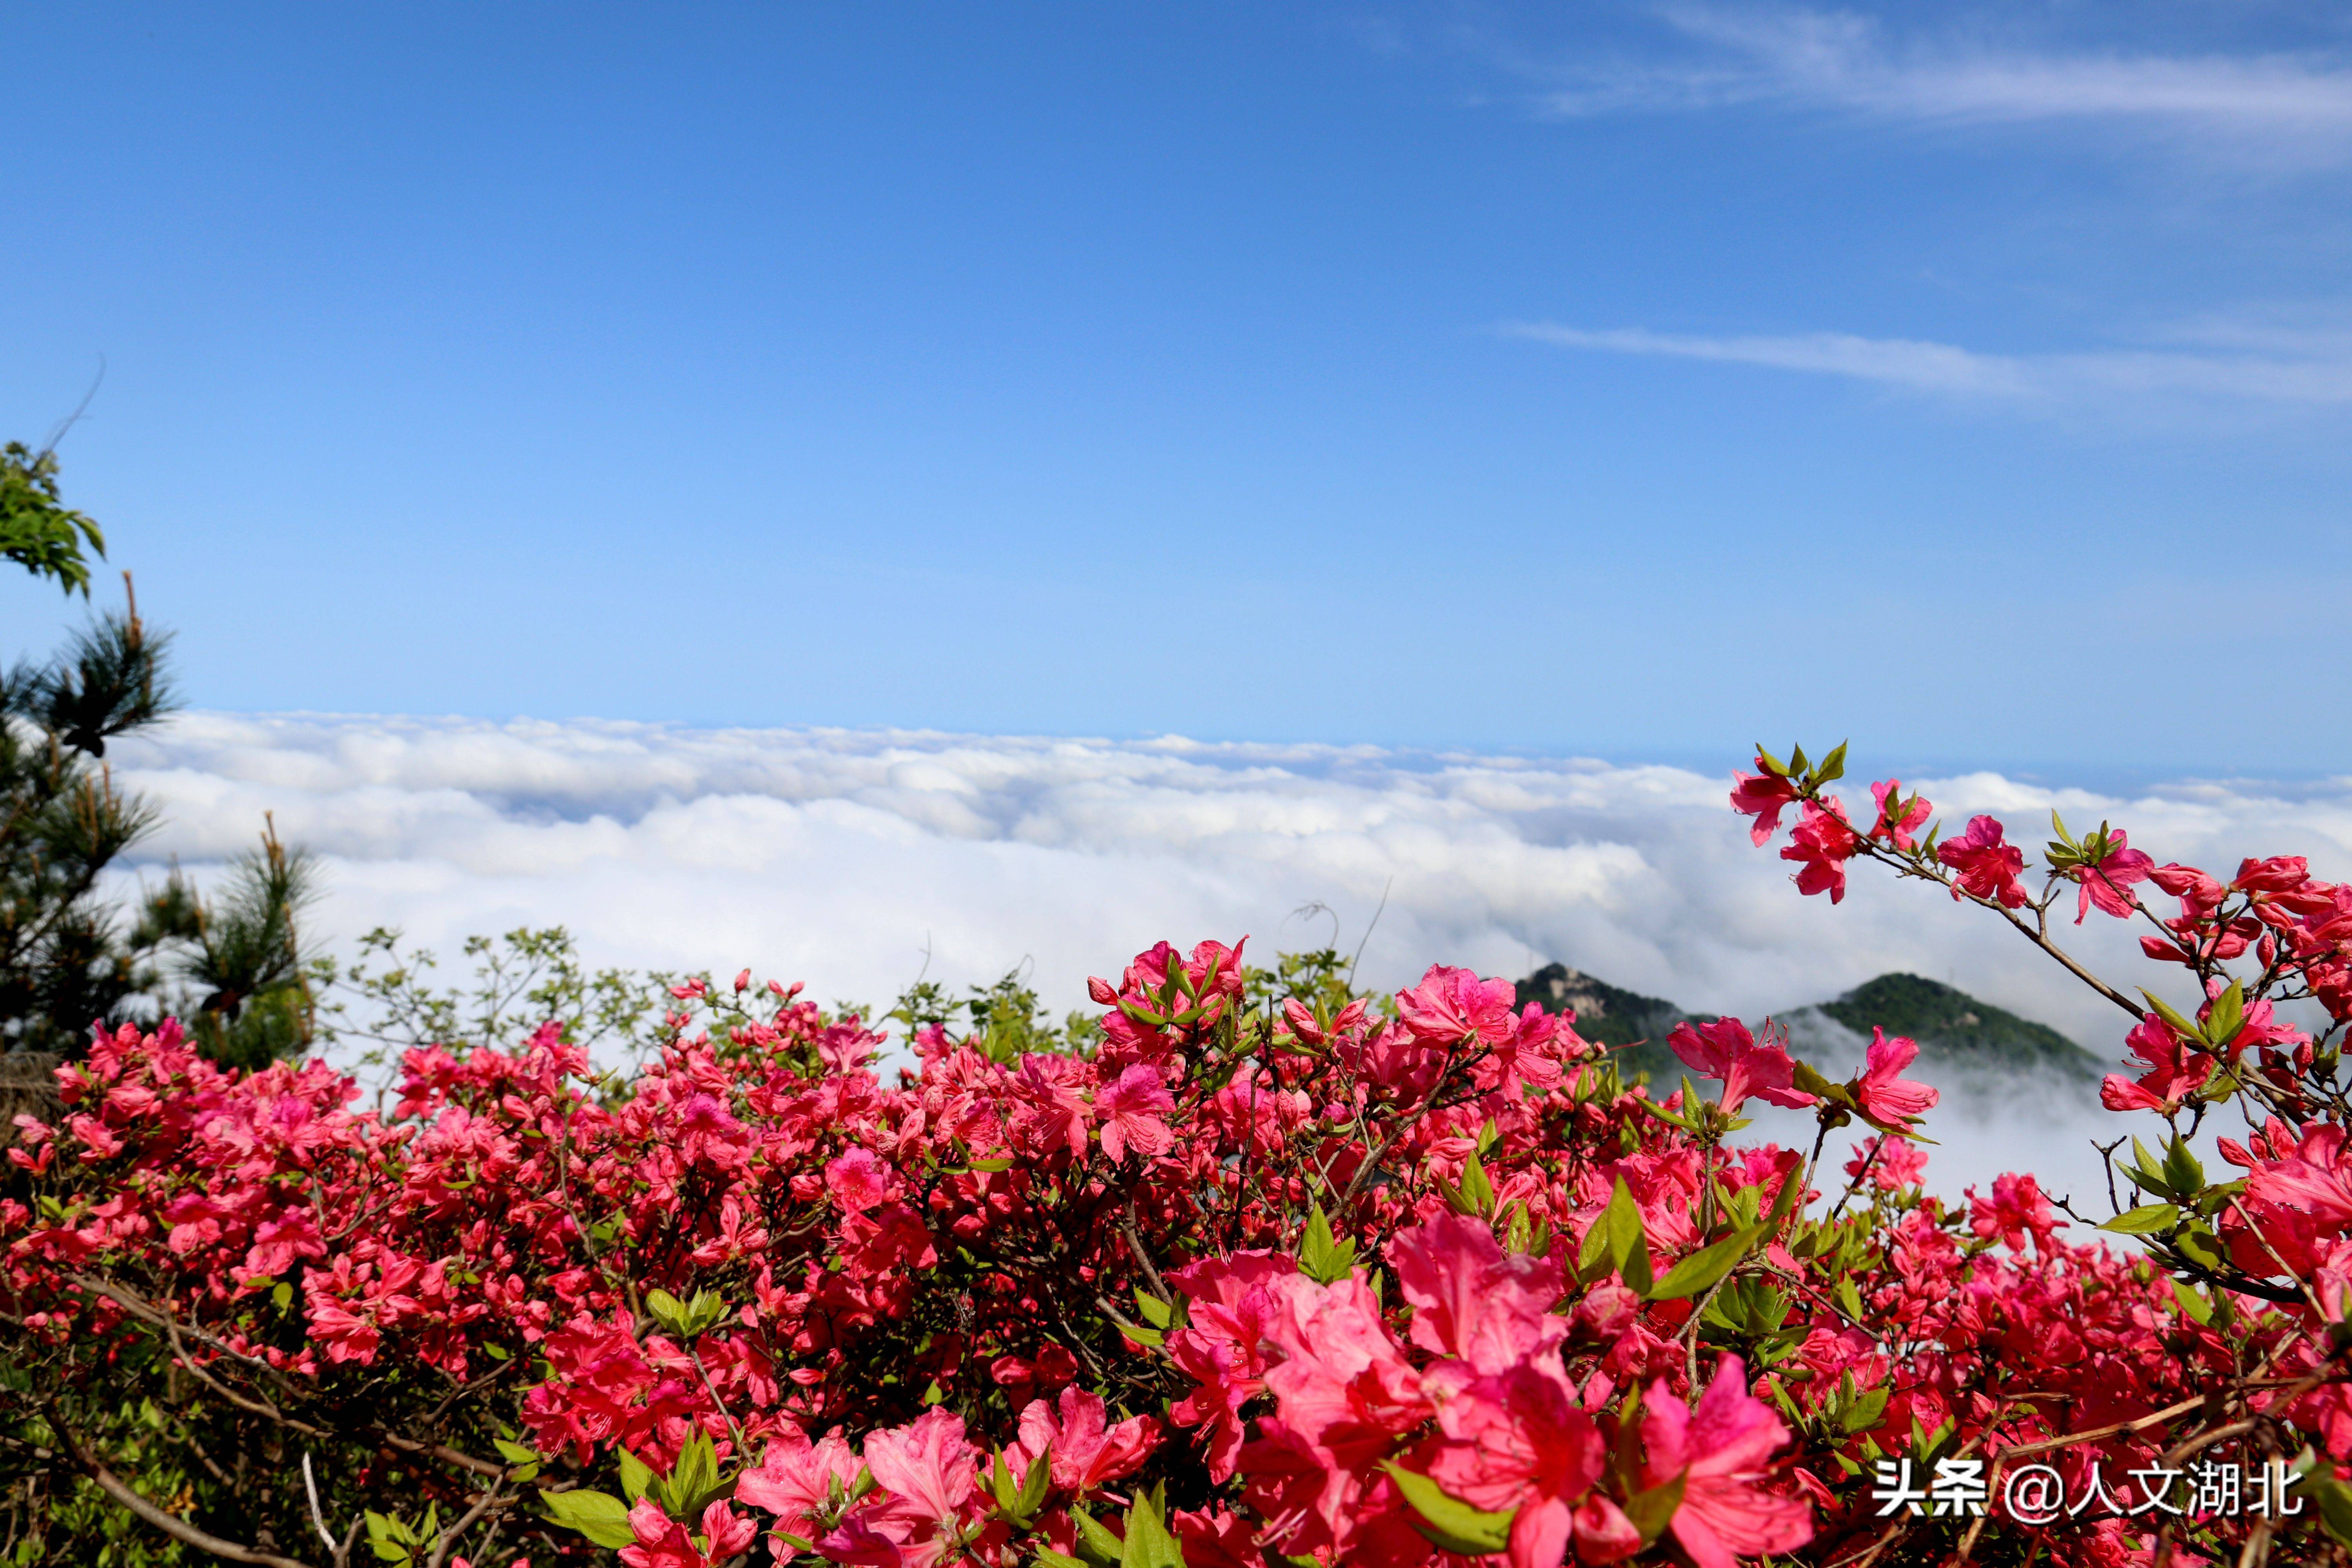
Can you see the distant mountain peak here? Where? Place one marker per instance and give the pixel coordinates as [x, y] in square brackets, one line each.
[1948, 1020]
[1953, 1028]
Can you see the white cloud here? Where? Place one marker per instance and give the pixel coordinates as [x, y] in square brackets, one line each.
[2275, 106]
[838, 857]
[2249, 362]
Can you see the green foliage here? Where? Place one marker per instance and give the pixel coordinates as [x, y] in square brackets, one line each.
[1321, 981]
[600, 1516]
[1003, 1021]
[37, 531]
[1321, 1258]
[244, 979]
[232, 968]
[1449, 1523]
[389, 997]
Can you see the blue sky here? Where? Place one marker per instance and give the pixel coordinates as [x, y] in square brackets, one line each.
[1973, 381]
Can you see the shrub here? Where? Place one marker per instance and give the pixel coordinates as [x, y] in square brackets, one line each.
[1256, 1271]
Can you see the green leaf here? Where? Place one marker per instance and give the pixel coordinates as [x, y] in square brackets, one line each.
[2183, 1172]
[2192, 1302]
[1148, 1542]
[1156, 1312]
[1849, 1299]
[1866, 1412]
[1049, 1558]
[1649, 1511]
[2172, 1016]
[1477, 1193]
[1035, 1485]
[1811, 1080]
[1771, 763]
[388, 1538]
[1453, 1525]
[514, 1453]
[667, 1310]
[601, 1517]
[2335, 1504]
[1097, 1545]
[1322, 1257]
[2199, 1245]
[1833, 766]
[1627, 1243]
[281, 1295]
[1792, 1187]
[1704, 1268]
[1004, 1162]
[2144, 1220]
[693, 1482]
[2227, 1016]
[636, 1476]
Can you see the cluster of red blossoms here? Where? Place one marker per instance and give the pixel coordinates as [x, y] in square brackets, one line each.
[1260, 1280]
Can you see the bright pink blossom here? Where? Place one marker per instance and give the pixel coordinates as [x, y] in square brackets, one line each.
[1883, 1091]
[1087, 1451]
[1987, 867]
[1825, 841]
[1453, 1005]
[1130, 1113]
[1763, 795]
[2016, 1209]
[2106, 882]
[2174, 1071]
[1721, 1448]
[1899, 821]
[1724, 1049]
[795, 1478]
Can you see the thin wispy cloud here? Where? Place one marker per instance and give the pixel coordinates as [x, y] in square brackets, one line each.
[2270, 105]
[2254, 364]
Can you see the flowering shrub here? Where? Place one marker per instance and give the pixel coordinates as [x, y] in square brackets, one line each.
[1269, 1274]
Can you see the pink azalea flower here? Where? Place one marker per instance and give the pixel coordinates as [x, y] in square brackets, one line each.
[665, 1543]
[794, 1477]
[1724, 1049]
[1486, 1308]
[1899, 1163]
[1517, 1440]
[1901, 833]
[1450, 1005]
[1224, 1348]
[1343, 1395]
[857, 1179]
[1720, 1449]
[2174, 1071]
[1987, 867]
[1086, 1451]
[1823, 842]
[1883, 1091]
[2105, 881]
[1049, 1104]
[1763, 795]
[2016, 1208]
[1130, 1113]
[927, 1471]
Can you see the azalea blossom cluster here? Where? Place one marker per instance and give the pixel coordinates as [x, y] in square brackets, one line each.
[1267, 1273]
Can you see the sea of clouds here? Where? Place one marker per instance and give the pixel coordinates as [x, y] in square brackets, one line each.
[858, 859]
